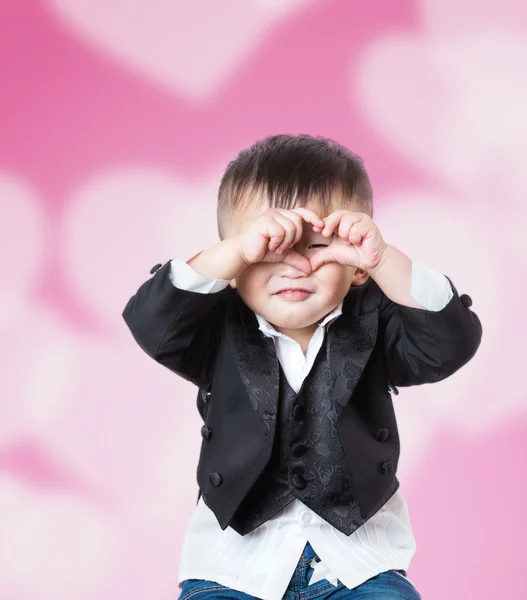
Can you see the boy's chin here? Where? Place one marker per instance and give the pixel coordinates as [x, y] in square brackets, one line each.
[293, 321]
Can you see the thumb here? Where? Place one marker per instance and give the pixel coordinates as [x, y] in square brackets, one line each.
[295, 259]
[321, 257]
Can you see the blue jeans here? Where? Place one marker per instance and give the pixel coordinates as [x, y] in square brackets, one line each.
[390, 585]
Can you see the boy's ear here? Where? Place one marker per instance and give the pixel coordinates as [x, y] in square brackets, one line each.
[359, 277]
[233, 284]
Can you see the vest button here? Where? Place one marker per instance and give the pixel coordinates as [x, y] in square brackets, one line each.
[298, 412]
[206, 432]
[299, 482]
[392, 389]
[215, 479]
[205, 396]
[387, 467]
[382, 435]
[298, 450]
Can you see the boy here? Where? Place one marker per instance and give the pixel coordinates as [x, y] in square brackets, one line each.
[297, 327]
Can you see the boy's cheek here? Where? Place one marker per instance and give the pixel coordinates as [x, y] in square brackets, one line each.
[335, 277]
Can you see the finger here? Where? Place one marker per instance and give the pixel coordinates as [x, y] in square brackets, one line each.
[322, 257]
[275, 232]
[334, 219]
[348, 230]
[345, 225]
[297, 221]
[354, 238]
[295, 259]
[331, 222]
[308, 215]
[290, 231]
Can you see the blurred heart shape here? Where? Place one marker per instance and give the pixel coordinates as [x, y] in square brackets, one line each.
[453, 106]
[121, 222]
[190, 47]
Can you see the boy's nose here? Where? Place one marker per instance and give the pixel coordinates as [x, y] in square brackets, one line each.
[292, 272]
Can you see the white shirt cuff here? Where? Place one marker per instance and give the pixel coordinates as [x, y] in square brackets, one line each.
[430, 288]
[184, 277]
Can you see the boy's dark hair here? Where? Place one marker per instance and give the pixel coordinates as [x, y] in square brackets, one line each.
[290, 170]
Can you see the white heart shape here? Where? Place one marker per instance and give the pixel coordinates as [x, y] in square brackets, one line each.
[119, 224]
[189, 46]
[455, 106]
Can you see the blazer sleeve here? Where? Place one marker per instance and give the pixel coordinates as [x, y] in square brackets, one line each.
[423, 346]
[179, 329]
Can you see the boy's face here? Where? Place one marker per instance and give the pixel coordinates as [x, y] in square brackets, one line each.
[259, 283]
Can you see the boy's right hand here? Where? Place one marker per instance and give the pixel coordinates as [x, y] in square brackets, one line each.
[271, 237]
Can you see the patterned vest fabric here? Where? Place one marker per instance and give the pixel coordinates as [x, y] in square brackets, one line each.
[307, 461]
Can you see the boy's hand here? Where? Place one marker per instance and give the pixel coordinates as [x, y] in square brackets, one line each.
[271, 237]
[357, 241]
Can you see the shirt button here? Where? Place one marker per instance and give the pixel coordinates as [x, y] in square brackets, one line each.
[306, 518]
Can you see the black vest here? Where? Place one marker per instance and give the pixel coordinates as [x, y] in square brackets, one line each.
[307, 461]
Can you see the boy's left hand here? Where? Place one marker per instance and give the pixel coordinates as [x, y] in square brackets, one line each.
[357, 241]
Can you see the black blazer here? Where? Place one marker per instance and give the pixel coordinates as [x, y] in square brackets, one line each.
[213, 340]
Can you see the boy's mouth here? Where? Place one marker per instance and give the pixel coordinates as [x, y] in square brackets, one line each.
[293, 293]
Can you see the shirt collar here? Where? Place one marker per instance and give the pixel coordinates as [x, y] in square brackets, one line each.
[267, 329]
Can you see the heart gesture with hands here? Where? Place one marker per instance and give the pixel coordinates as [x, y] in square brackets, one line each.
[357, 241]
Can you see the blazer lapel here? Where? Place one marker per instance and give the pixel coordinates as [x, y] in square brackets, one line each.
[257, 363]
[351, 339]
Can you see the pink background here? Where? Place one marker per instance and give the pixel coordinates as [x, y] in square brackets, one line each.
[116, 121]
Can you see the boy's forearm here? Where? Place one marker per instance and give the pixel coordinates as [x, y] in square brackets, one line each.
[221, 261]
[394, 276]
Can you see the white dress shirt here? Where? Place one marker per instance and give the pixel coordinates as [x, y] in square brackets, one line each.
[262, 562]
